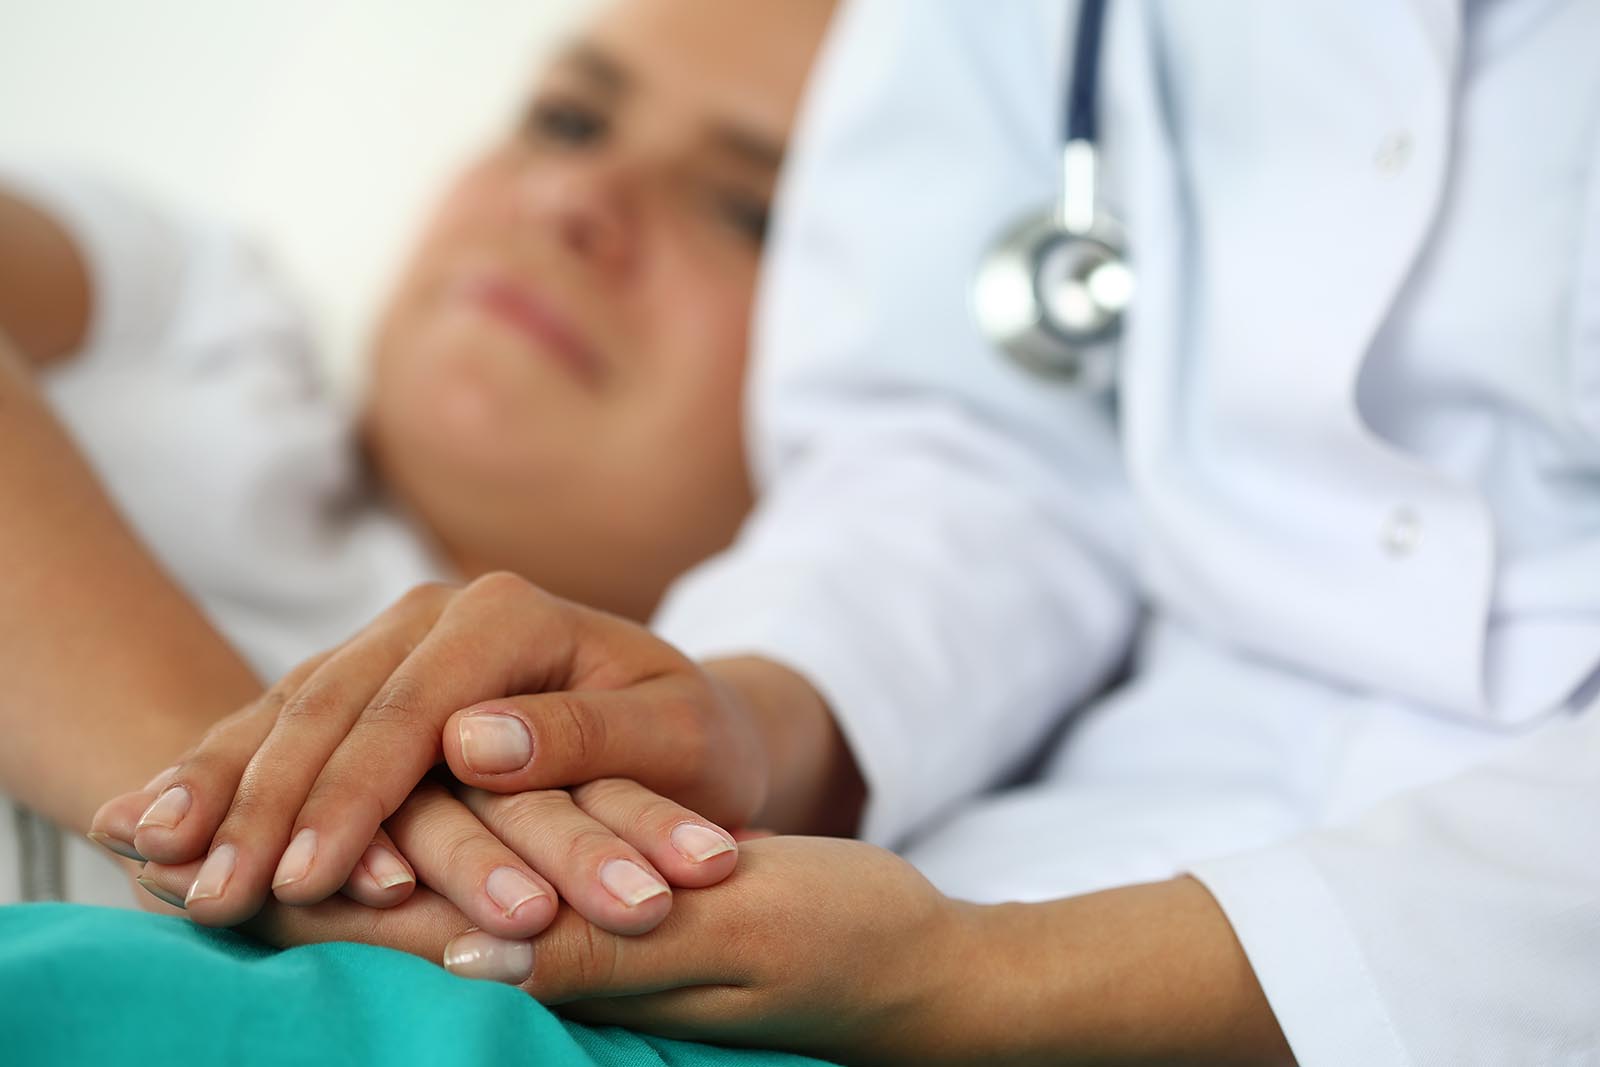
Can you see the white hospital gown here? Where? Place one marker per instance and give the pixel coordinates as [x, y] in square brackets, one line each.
[197, 400]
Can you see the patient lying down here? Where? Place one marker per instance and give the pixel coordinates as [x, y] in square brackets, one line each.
[554, 394]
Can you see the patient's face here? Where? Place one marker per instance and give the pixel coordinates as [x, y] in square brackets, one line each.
[557, 380]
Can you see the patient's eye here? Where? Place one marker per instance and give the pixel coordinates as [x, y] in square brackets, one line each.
[564, 122]
[744, 214]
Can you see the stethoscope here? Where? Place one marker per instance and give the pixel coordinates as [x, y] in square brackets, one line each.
[1052, 290]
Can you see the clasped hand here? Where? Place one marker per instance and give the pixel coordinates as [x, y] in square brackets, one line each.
[593, 791]
[322, 783]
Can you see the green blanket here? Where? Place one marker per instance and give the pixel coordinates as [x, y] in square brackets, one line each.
[94, 985]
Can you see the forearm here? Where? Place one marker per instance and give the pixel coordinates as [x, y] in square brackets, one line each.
[1142, 974]
[44, 284]
[110, 671]
[815, 786]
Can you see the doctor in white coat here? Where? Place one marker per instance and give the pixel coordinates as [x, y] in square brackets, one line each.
[1342, 511]
[1352, 473]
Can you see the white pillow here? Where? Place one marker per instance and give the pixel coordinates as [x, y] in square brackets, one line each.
[323, 128]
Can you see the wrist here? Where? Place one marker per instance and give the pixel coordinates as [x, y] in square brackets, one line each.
[812, 783]
[1141, 974]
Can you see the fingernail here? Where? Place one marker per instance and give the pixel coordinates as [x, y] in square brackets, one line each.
[494, 744]
[629, 882]
[510, 889]
[112, 844]
[384, 866]
[212, 880]
[168, 810]
[476, 954]
[296, 861]
[160, 894]
[697, 843]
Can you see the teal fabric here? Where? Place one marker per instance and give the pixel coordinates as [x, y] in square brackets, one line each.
[96, 985]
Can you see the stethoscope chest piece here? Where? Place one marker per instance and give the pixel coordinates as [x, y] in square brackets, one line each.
[1052, 298]
[1051, 291]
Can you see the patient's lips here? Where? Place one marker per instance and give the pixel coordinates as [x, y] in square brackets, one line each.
[525, 311]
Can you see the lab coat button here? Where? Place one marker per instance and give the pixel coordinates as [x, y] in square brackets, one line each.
[1401, 533]
[1393, 153]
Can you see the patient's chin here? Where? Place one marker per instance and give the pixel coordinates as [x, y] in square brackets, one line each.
[464, 396]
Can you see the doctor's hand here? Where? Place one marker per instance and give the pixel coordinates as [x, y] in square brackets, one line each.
[841, 950]
[287, 795]
[422, 925]
[601, 845]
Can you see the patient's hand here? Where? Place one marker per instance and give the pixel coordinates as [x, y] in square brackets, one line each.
[288, 794]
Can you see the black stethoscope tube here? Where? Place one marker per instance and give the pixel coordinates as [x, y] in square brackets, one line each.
[1082, 120]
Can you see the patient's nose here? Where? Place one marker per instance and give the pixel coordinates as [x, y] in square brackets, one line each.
[589, 207]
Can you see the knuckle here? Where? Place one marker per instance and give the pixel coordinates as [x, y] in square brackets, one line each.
[654, 818]
[522, 816]
[303, 670]
[255, 801]
[307, 708]
[424, 597]
[461, 851]
[501, 585]
[584, 847]
[392, 738]
[633, 811]
[580, 730]
[277, 695]
[588, 958]
[605, 795]
[400, 700]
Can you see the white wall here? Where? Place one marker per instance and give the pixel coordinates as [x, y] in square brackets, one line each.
[321, 126]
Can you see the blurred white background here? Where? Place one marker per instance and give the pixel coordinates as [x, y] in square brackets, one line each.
[321, 127]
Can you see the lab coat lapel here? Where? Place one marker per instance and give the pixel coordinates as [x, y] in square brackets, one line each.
[1441, 28]
[1141, 188]
[1305, 158]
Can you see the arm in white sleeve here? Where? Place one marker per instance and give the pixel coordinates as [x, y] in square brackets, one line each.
[941, 544]
[1459, 924]
[139, 258]
[171, 296]
[198, 401]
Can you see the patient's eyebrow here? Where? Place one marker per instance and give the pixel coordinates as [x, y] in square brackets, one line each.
[607, 74]
[597, 67]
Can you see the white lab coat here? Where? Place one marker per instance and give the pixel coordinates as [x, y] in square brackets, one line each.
[1369, 552]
